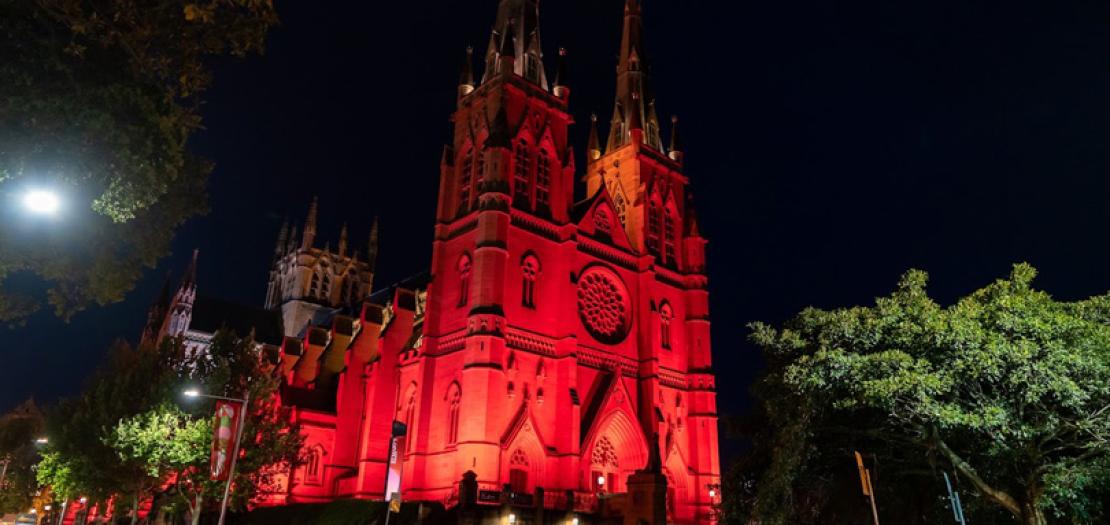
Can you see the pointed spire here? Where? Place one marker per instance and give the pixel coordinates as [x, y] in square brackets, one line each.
[693, 229]
[677, 150]
[343, 241]
[635, 98]
[292, 245]
[507, 54]
[466, 74]
[282, 240]
[516, 34]
[189, 280]
[310, 225]
[562, 89]
[372, 246]
[593, 148]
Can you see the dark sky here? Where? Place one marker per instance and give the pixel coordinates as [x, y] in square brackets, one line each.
[831, 146]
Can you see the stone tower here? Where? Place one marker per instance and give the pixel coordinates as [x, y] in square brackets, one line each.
[311, 284]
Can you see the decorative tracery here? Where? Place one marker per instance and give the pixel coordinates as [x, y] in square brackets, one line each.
[666, 314]
[530, 270]
[605, 455]
[603, 305]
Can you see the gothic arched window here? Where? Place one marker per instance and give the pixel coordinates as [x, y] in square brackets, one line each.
[670, 237]
[655, 227]
[464, 268]
[518, 471]
[522, 167]
[465, 179]
[410, 418]
[454, 398]
[314, 286]
[325, 290]
[666, 315]
[312, 464]
[530, 269]
[543, 179]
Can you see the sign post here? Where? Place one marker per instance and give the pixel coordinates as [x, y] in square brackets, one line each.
[868, 490]
[393, 474]
[954, 497]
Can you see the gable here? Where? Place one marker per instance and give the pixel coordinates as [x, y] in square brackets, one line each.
[599, 218]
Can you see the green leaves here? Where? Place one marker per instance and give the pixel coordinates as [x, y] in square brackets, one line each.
[1012, 380]
[99, 99]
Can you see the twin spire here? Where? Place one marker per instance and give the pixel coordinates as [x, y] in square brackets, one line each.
[515, 43]
[288, 242]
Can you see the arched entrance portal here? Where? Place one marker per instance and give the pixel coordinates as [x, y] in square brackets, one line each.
[616, 450]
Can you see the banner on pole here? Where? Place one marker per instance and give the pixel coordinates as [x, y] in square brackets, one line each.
[224, 429]
[393, 472]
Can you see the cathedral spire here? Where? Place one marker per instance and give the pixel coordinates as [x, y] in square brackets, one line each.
[310, 225]
[189, 280]
[517, 31]
[635, 99]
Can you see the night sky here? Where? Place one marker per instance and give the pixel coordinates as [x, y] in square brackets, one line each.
[830, 147]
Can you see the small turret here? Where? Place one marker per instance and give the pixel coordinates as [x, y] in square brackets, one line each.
[282, 240]
[593, 148]
[676, 152]
[309, 237]
[343, 241]
[562, 89]
[372, 246]
[466, 75]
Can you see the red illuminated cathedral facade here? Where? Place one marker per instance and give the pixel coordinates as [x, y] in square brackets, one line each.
[556, 346]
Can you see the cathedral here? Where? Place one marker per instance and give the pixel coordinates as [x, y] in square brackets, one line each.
[554, 354]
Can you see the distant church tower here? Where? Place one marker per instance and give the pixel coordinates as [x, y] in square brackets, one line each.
[309, 284]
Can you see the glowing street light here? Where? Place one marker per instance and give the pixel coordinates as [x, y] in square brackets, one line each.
[41, 202]
[42, 440]
[245, 402]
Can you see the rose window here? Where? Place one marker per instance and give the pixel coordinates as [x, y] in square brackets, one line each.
[603, 305]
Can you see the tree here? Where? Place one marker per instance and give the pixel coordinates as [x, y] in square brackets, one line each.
[79, 461]
[99, 100]
[1008, 387]
[18, 454]
[175, 446]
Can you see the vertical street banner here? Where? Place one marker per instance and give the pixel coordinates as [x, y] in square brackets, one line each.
[393, 472]
[224, 429]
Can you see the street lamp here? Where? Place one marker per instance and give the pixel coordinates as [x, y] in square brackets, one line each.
[41, 202]
[42, 440]
[194, 393]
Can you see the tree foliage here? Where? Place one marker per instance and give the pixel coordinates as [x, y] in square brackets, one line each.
[99, 99]
[18, 456]
[1008, 387]
[129, 434]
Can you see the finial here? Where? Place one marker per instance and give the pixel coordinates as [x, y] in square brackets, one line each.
[593, 148]
[310, 225]
[676, 150]
[466, 75]
[372, 246]
[562, 89]
[343, 241]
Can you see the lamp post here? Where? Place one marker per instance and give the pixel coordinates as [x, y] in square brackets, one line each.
[238, 439]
